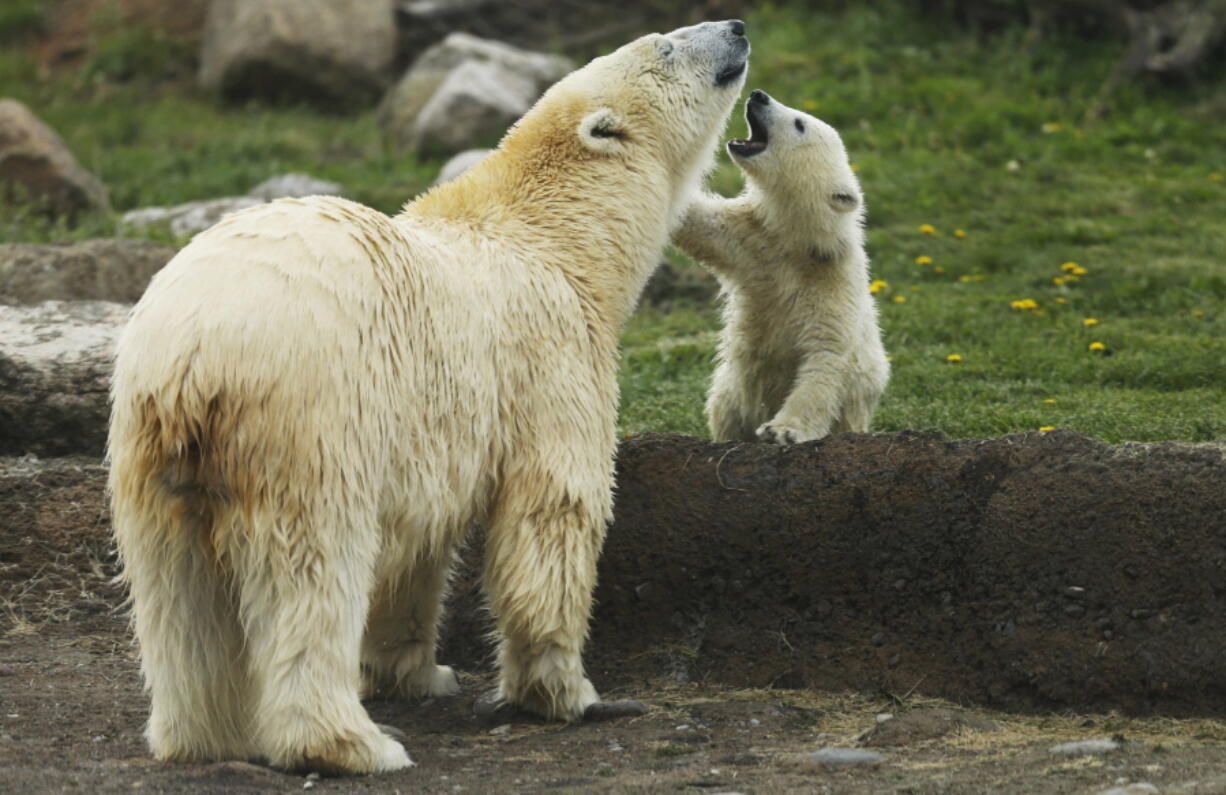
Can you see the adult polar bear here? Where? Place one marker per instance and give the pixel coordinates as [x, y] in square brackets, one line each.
[313, 401]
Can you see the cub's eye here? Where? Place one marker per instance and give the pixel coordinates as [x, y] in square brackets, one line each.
[800, 126]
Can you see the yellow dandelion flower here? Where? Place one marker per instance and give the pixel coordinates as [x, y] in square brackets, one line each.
[1097, 346]
[1049, 401]
[1052, 127]
[1216, 177]
[855, 168]
[927, 229]
[1046, 428]
[900, 299]
[889, 358]
[1079, 271]
[923, 259]
[809, 104]
[953, 358]
[1061, 300]
[938, 269]
[1090, 321]
[959, 233]
[1069, 266]
[972, 277]
[877, 285]
[1198, 313]
[1024, 303]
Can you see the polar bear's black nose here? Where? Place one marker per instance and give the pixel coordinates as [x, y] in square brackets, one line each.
[759, 97]
[738, 27]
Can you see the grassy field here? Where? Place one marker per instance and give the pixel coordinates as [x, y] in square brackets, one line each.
[988, 187]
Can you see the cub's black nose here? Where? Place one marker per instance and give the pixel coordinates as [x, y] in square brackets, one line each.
[738, 27]
[759, 97]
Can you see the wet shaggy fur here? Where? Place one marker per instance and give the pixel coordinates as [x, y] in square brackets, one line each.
[800, 354]
[313, 401]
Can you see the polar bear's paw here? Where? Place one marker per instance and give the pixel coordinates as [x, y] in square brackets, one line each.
[778, 433]
[376, 750]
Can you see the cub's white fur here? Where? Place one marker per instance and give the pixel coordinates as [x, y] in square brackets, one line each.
[313, 401]
[800, 354]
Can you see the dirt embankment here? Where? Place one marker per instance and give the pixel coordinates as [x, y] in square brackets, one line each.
[767, 603]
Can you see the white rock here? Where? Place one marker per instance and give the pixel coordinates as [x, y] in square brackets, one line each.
[459, 164]
[846, 756]
[294, 186]
[1098, 745]
[1139, 788]
[188, 219]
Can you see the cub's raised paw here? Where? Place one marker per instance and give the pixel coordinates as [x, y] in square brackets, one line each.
[778, 434]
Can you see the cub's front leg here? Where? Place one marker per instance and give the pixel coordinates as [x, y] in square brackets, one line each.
[812, 406]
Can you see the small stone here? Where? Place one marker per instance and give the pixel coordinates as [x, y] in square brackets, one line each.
[754, 722]
[884, 716]
[878, 639]
[503, 729]
[1074, 610]
[846, 756]
[1142, 613]
[1098, 745]
[1139, 788]
[1074, 592]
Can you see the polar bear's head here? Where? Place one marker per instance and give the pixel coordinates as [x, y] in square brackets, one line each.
[654, 108]
[795, 159]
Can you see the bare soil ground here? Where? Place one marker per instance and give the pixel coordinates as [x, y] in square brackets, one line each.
[72, 709]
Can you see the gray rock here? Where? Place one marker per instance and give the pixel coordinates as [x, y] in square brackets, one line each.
[36, 165]
[846, 756]
[459, 164]
[474, 105]
[333, 54]
[1098, 745]
[294, 186]
[528, 72]
[108, 269]
[55, 365]
[1139, 788]
[185, 220]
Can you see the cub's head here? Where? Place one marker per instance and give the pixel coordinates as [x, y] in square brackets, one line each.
[660, 100]
[793, 157]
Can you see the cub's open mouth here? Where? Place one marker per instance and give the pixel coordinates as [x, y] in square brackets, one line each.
[758, 137]
[730, 73]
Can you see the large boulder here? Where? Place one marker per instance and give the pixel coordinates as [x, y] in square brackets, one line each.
[337, 55]
[36, 166]
[501, 81]
[55, 371]
[293, 186]
[109, 269]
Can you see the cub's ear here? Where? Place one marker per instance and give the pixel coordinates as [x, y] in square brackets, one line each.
[845, 199]
[603, 131]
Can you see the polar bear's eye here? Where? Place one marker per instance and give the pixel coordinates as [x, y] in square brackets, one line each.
[800, 126]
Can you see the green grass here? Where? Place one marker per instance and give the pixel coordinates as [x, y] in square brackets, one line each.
[931, 116]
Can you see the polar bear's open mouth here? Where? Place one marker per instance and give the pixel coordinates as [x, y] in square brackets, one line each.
[758, 136]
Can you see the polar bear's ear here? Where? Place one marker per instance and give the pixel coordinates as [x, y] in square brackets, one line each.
[844, 199]
[602, 131]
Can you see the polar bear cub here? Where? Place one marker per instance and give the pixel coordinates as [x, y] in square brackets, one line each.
[800, 355]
